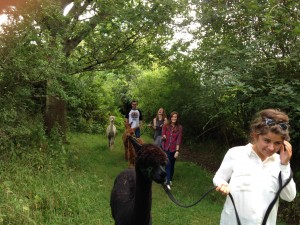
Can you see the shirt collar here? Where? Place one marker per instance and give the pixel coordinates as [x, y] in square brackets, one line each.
[251, 151]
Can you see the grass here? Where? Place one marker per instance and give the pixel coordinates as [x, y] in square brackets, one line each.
[79, 194]
[190, 182]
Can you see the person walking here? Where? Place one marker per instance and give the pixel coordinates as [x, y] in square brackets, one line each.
[135, 118]
[171, 141]
[159, 120]
[252, 173]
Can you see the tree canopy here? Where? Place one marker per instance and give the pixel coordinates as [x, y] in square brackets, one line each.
[43, 42]
[246, 59]
[95, 55]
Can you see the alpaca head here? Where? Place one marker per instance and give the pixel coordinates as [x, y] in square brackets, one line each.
[150, 161]
[111, 118]
[128, 130]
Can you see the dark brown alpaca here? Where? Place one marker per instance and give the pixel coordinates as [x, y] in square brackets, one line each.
[128, 147]
[131, 196]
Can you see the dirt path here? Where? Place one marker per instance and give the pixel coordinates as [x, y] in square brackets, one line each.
[205, 160]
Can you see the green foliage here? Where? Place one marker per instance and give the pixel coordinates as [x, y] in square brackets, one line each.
[245, 62]
[81, 192]
[29, 60]
[41, 49]
[38, 190]
[150, 89]
[17, 132]
[289, 211]
[92, 99]
[247, 59]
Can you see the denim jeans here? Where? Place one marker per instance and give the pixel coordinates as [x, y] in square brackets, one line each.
[157, 141]
[170, 166]
[137, 132]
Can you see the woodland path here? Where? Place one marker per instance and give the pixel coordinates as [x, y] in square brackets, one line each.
[204, 159]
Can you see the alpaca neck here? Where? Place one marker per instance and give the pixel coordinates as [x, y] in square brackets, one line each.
[111, 125]
[143, 200]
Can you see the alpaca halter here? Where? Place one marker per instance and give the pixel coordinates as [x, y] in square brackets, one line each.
[147, 171]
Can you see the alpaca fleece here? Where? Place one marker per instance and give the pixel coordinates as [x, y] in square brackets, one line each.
[111, 132]
[131, 196]
[129, 151]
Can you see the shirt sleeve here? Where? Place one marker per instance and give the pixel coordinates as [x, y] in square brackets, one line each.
[289, 192]
[223, 174]
[141, 115]
[164, 130]
[179, 137]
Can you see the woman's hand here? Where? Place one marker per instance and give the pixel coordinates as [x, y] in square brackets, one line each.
[224, 189]
[285, 153]
[176, 154]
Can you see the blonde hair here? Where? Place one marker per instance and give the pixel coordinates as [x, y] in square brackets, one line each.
[164, 115]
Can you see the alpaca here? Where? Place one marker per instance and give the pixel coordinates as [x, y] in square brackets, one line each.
[131, 196]
[111, 132]
[128, 147]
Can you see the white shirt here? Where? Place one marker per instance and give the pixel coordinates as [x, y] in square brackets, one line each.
[134, 118]
[253, 185]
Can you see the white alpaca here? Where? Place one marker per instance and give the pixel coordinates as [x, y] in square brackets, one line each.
[111, 132]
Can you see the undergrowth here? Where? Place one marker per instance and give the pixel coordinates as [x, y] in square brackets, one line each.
[73, 185]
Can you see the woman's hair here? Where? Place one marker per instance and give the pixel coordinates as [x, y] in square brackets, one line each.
[270, 120]
[164, 115]
[177, 121]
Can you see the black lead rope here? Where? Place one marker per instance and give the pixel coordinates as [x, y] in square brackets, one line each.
[232, 200]
[235, 210]
[270, 207]
[180, 204]
[277, 195]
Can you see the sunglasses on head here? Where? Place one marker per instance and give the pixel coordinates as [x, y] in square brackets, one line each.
[271, 122]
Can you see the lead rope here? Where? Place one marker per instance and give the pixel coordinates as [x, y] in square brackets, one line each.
[232, 200]
[235, 210]
[270, 207]
[277, 195]
[167, 190]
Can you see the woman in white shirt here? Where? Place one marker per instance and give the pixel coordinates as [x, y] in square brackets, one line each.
[250, 173]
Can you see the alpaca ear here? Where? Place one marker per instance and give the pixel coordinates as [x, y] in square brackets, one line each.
[137, 146]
